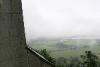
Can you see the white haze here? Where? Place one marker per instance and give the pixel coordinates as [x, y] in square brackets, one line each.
[61, 18]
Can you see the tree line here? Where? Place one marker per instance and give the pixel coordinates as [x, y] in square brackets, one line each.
[89, 59]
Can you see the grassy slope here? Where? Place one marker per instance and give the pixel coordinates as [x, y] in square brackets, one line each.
[68, 53]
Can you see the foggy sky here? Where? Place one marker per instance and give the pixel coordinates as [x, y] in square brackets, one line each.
[57, 18]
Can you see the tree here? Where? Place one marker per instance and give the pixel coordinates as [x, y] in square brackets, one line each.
[89, 59]
[47, 56]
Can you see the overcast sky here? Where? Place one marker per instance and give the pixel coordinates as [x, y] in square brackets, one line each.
[56, 18]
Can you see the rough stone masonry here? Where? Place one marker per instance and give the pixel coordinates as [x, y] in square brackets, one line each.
[13, 52]
[12, 37]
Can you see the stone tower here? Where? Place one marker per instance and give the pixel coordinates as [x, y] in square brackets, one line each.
[12, 37]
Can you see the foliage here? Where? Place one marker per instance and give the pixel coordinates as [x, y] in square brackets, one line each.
[47, 56]
[89, 59]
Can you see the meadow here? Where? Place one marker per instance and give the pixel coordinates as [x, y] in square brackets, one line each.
[68, 47]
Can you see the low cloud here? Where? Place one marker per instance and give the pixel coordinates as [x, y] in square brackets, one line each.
[58, 18]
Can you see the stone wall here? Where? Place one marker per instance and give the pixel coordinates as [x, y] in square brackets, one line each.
[44, 64]
[12, 37]
[36, 60]
[13, 52]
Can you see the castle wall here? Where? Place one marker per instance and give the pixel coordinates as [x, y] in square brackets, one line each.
[36, 61]
[12, 37]
[13, 52]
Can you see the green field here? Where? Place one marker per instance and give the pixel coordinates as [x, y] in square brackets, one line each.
[67, 48]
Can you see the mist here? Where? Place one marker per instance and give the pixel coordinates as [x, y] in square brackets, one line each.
[61, 18]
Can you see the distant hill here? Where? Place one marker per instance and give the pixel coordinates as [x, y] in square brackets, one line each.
[83, 37]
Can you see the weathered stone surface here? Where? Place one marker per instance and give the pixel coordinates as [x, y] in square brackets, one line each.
[12, 37]
[13, 52]
[37, 60]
